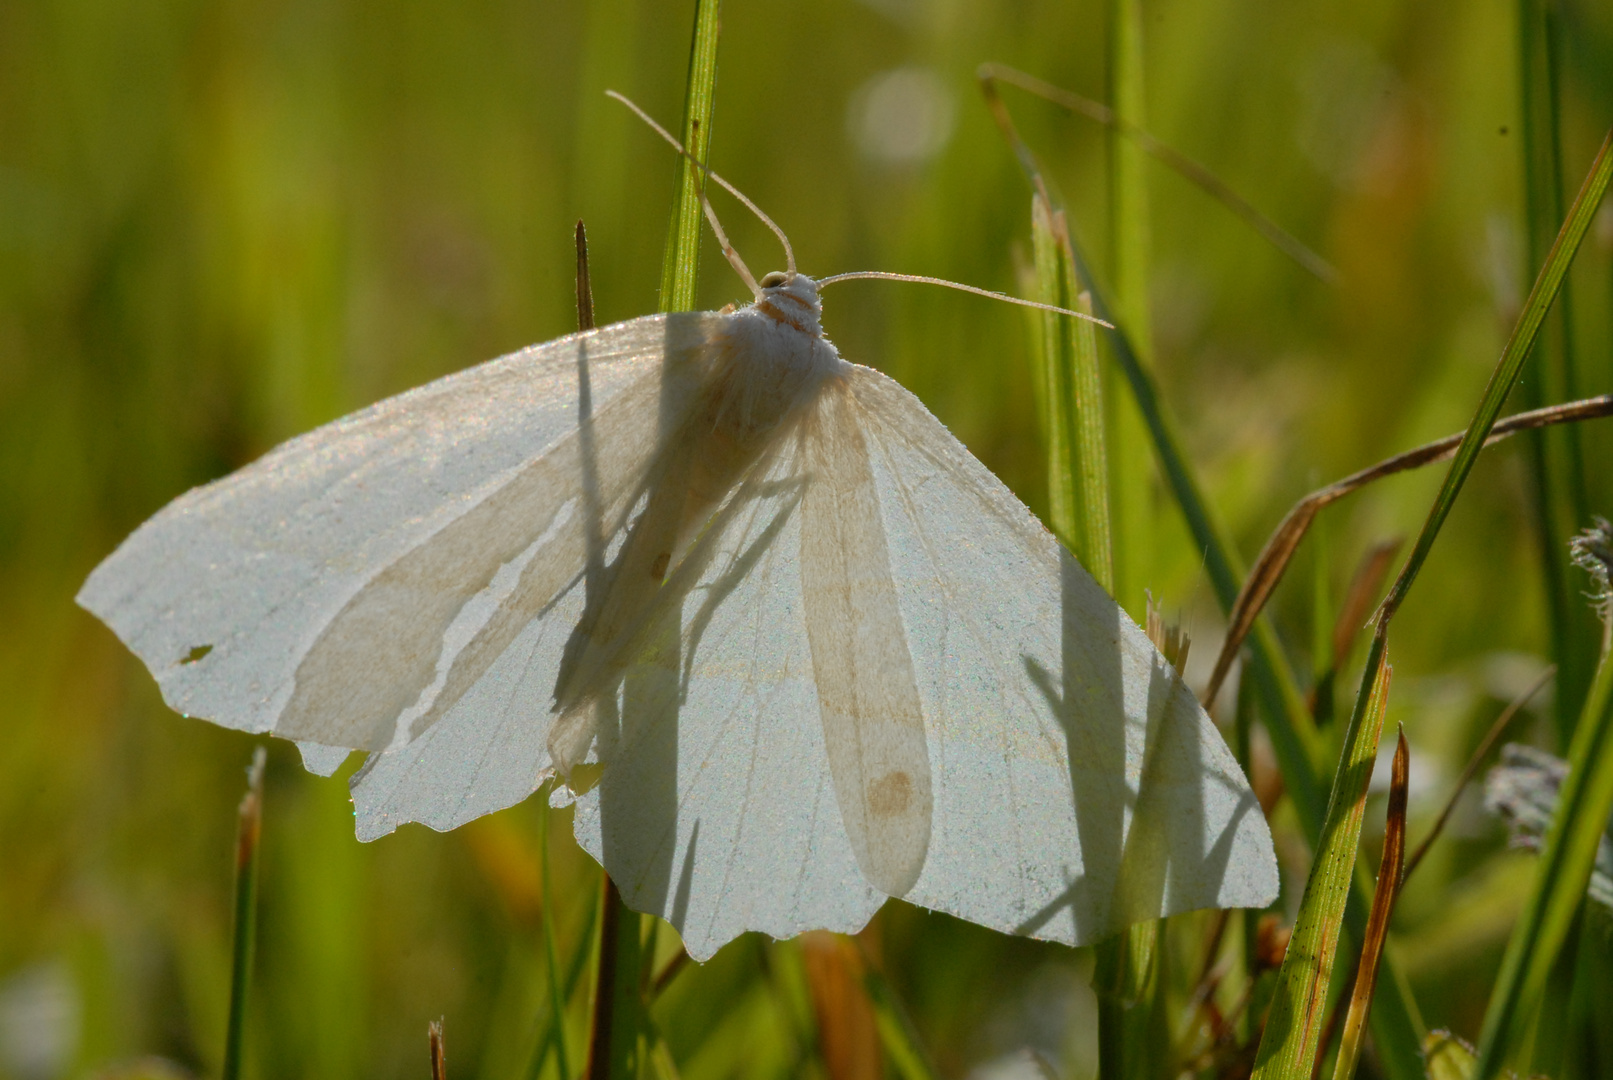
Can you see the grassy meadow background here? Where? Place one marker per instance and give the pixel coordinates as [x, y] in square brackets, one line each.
[224, 222]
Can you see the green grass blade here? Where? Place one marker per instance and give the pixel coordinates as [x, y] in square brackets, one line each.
[574, 973]
[1505, 375]
[1397, 1027]
[619, 1041]
[1287, 1050]
[557, 1001]
[896, 1032]
[1129, 252]
[1555, 459]
[1077, 450]
[1128, 176]
[1390, 869]
[248, 835]
[1298, 1008]
[680, 268]
[1056, 363]
[1542, 958]
[1091, 443]
[1583, 807]
[1078, 495]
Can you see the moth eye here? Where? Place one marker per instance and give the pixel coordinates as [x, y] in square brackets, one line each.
[774, 279]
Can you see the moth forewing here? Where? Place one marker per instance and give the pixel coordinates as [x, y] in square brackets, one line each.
[737, 396]
[234, 594]
[873, 721]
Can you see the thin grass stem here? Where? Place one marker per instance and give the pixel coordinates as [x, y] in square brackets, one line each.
[1184, 166]
[557, 1000]
[680, 270]
[1491, 737]
[249, 832]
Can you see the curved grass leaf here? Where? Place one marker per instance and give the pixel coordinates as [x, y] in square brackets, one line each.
[1397, 1027]
[1288, 1047]
[1286, 537]
[1169, 156]
[1505, 376]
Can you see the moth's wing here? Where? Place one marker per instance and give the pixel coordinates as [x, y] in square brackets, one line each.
[1078, 786]
[868, 699]
[349, 587]
[490, 748]
[716, 809]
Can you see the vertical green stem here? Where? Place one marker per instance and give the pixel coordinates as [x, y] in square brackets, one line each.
[1077, 447]
[604, 1036]
[619, 1044]
[1129, 233]
[1583, 806]
[248, 832]
[1056, 380]
[1091, 444]
[1555, 458]
[557, 1001]
[1294, 1025]
[680, 269]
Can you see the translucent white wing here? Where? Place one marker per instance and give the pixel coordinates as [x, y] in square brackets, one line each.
[721, 806]
[1078, 786]
[353, 585]
[716, 809]
[868, 699]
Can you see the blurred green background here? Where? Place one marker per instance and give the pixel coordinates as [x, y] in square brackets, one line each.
[222, 223]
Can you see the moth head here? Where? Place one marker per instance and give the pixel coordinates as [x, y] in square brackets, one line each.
[790, 298]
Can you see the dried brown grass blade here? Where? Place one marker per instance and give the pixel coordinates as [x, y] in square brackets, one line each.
[664, 977]
[1362, 596]
[1169, 638]
[1366, 584]
[1383, 905]
[1285, 539]
[439, 1061]
[848, 1034]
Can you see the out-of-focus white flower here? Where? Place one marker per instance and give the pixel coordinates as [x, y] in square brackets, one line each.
[901, 117]
[39, 1021]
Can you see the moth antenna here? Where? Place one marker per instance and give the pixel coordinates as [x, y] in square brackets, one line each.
[789, 252]
[728, 249]
[882, 275]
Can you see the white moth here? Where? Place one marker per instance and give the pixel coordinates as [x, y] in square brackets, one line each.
[823, 655]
